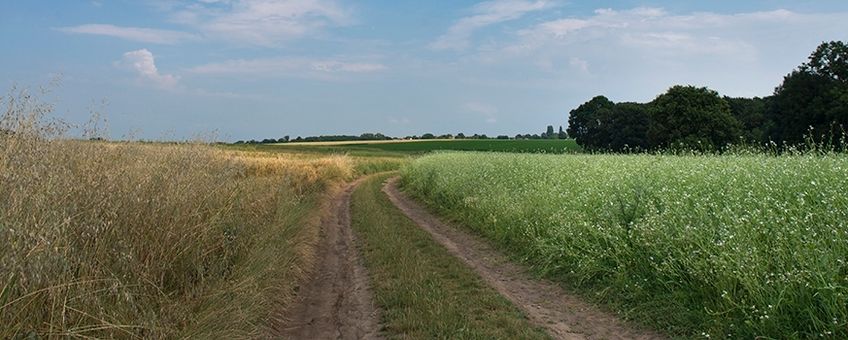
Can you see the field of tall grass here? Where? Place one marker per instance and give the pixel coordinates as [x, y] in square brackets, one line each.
[129, 240]
[735, 246]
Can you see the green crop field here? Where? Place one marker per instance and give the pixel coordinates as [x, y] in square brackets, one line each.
[735, 246]
[557, 146]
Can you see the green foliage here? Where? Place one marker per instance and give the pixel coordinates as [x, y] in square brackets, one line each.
[603, 125]
[692, 117]
[626, 127]
[735, 246]
[583, 122]
[751, 114]
[810, 106]
[813, 100]
[830, 60]
[549, 132]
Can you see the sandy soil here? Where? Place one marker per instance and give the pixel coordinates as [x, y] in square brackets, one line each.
[564, 315]
[337, 302]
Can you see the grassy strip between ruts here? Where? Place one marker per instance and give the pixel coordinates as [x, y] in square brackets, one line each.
[423, 291]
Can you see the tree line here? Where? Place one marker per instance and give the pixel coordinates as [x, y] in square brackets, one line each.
[811, 105]
[547, 134]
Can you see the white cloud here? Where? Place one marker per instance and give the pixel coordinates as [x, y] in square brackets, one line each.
[282, 67]
[633, 54]
[698, 33]
[268, 23]
[486, 14]
[146, 35]
[260, 22]
[143, 63]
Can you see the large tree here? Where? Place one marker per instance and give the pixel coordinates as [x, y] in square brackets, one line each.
[813, 100]
[626, 127]
[584, 122]
[694, 117]
[751, 113]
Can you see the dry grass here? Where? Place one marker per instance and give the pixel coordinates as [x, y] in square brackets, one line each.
[148, 241]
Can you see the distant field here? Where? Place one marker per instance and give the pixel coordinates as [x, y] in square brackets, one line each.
[556, 146]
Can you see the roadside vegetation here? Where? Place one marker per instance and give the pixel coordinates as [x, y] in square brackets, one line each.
[740, 245]
[423, 291]
[115, 239]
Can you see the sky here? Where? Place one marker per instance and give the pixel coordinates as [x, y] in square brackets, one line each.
[253, 69]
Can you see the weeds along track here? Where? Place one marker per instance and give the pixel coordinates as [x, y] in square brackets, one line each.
[546, 304]
[336, 303]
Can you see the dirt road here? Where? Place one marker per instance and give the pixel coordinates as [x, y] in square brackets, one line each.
[547, 305]
[336, 303]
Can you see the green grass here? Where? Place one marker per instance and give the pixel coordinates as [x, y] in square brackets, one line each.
[400, 149]
[727, 246]
[423, 291]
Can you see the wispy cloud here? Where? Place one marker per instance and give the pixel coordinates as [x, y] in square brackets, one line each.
[486, 14]
[267, 23]
[146, 35]
[639, 52]
[283, 67]
[700, 33]
[143, 63]
[488, 111]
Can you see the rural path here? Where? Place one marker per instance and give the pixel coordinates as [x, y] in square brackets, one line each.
[337, 302]
[546, 304]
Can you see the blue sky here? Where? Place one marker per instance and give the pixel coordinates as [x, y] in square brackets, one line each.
[261, 68]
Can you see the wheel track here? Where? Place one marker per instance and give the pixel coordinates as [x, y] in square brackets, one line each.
[545, 303]
[336, 303]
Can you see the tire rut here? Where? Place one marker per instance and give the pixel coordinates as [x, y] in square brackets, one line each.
[545, 303]
[336, 303]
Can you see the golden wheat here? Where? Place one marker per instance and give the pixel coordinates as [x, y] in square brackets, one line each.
[147, 240]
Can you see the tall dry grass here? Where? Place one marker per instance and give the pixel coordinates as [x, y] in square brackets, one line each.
[136, 240]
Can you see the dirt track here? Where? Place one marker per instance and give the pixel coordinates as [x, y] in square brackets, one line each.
[547, 305]
[336, 303]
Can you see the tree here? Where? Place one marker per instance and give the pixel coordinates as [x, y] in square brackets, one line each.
[694, 117]
[460, 135]
[751, 113]
[815, 96]
[583, 121]
[626, 127]
[829, 60]
[562, 134]
[549, 133]
[428, 136]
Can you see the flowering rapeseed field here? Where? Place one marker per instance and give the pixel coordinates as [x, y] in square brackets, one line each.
[727, 246]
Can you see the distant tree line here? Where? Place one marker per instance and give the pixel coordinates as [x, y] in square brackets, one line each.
[329, 138]
[811, 105]
[548, 134]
